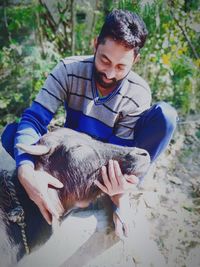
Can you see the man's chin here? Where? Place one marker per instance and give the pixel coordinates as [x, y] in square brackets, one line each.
[107, 85]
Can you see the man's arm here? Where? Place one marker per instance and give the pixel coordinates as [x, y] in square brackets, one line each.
[117, 186]
[32, 126]
[36, 118]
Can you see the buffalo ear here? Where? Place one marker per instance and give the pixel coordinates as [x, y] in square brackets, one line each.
[36, 150]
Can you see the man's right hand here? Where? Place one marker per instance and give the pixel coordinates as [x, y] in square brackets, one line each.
[36, 184]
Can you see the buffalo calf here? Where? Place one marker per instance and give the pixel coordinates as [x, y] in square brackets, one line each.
[76, 160]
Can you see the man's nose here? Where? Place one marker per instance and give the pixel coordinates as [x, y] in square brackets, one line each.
[110, 74]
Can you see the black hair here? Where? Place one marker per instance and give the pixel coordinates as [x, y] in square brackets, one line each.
[124, 27]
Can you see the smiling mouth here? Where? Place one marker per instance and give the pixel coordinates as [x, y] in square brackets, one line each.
[106, 80]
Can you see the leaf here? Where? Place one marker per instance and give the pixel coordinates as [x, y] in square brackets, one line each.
[3, 104]
[190, 209]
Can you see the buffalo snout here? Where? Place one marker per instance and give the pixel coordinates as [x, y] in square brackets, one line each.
[135, 162]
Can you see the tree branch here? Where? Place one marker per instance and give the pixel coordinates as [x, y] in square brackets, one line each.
[185, 35]
[40, 33]
[73, 21]
[6, 21]
[49, 17]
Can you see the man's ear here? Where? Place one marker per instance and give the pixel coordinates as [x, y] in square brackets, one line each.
[95, 44]
[136, 58]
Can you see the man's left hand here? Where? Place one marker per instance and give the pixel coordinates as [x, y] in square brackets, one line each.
[117, 186]
[114, 181]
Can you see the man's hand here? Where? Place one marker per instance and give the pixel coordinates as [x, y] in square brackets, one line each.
[114, 181]
[36, 185]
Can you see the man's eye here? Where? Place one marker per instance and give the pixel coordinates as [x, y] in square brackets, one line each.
[104, 61]
[120, 68]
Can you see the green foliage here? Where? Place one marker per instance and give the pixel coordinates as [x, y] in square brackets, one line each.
[21, 22]
[133, 5]
[168, 62]
[21, 18]
[23, 71]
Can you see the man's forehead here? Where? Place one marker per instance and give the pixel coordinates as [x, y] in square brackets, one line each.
[114, 51]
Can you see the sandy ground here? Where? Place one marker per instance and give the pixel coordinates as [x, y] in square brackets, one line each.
[166, 221]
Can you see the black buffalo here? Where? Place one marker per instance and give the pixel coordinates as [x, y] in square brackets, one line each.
[76, 160]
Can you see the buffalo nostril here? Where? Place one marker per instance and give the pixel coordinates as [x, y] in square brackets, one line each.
[142, 154]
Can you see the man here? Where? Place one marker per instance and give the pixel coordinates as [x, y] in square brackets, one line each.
[104, 98]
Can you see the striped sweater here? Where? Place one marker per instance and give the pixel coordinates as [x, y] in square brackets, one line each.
[71, 83]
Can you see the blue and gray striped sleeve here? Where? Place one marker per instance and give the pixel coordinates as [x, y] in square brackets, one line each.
[33, 124]
[35, 119]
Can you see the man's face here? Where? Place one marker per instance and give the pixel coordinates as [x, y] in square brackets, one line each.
[113, 61]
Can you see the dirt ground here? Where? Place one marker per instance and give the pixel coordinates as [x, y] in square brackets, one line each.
[166, 218]
[173, 201]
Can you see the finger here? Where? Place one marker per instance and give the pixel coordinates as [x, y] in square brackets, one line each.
[54, 181]
[53, 195]
[47, 216]
[112, 174]
[106, 179]
[52, 207]
[118, 173]
[132, 179]
[102, 187]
